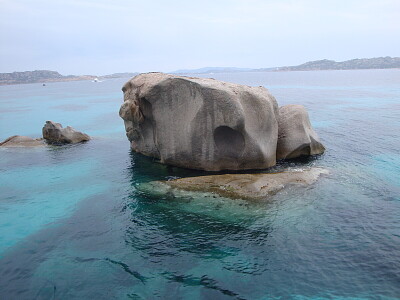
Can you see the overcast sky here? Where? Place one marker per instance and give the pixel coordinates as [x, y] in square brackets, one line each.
[101, 37]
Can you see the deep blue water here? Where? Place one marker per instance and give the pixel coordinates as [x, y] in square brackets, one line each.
[74, 225]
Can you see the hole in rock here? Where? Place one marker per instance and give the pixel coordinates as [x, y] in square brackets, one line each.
[229, 142]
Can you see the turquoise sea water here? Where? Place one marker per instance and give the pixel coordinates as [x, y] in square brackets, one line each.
[74, 225]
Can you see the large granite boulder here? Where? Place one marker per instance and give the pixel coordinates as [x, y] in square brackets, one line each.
[21, 141]
[54, 133]
[296, 136]
[200, 123]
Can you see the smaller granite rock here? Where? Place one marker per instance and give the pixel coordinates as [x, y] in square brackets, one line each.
[21, 141]
[240, 186]
[55, 133]
[296, 137]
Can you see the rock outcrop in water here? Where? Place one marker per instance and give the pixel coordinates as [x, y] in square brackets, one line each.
[22, 141]
[54, 133]
[201, 123]
[238, 186]
[296, 136]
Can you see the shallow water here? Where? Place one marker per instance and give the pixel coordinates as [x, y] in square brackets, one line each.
[74, 225]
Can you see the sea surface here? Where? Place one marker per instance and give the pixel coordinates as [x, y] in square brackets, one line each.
[75, 225]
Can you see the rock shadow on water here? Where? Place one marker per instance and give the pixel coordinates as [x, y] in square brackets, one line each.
[224, 196]
[197, 206]
[46, 264]
[302, 168]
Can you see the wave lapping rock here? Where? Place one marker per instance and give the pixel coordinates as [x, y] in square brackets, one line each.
[54, 133]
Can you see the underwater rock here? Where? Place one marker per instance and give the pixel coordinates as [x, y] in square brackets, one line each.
[22, 141]
[239, 186]
[55, 133]
[296, 135]
[200, 123]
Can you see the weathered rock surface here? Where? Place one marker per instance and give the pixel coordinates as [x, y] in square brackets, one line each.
[240, 186]
[22, 141]
[296, 136]
[200, 123]
[55, 133]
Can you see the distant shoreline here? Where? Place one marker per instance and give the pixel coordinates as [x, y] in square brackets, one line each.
[317, 65]
[45, 76]
[191, 74]
[282, 71]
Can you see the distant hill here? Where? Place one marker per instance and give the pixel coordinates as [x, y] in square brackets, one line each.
[42, 76]
[119, 75]
[325, 64]
[353, 64]
[207, 70]
[38, 76]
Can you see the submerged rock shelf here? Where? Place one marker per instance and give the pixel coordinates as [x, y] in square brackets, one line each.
[238, 186]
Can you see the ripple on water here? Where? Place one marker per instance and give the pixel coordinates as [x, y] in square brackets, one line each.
[74, 224]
